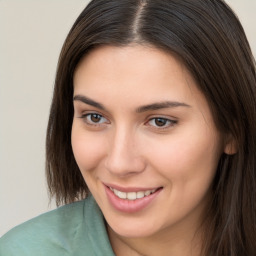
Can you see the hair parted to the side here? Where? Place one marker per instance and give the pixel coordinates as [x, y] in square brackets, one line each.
[210, 41]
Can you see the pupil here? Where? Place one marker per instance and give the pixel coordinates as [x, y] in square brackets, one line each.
[95, 118]
[160, 122]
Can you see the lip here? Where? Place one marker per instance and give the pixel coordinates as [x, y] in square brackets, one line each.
[130, 206]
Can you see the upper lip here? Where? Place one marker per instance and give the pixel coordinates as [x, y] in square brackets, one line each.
[129, 189]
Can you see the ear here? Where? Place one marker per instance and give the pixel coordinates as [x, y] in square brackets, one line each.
[231, 145]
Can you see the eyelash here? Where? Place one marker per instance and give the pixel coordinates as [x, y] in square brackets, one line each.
[167, 123]
[90, 122]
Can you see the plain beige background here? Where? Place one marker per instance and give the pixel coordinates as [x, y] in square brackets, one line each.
[31, 36]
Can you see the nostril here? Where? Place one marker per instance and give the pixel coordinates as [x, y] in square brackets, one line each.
[123, 166]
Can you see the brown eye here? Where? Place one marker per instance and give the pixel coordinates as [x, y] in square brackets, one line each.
[94, 119]
[160, 122]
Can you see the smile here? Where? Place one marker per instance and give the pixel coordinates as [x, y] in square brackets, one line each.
[132, 195]
[131, 200]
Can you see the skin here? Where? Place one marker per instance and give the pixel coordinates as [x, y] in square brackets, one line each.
[125, 145]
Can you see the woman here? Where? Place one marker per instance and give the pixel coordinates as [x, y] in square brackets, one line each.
[153, 121]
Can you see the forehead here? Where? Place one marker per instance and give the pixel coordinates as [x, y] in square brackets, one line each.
[108, 54]
[130, 64]
[133, 74]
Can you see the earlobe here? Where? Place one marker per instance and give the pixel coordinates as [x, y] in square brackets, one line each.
[231, 145]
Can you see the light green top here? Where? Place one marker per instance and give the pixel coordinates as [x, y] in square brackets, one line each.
[76, 229]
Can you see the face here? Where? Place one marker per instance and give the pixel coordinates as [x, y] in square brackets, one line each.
[144, 139]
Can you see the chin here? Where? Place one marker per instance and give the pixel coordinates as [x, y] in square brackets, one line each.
[133, 230]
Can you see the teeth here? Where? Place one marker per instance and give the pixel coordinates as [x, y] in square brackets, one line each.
[120, 194]
[140, 194]
[132, 195]
[147, 193]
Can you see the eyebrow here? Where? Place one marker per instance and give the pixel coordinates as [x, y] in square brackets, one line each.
[144, 108]
[161, 105]
[88, 101]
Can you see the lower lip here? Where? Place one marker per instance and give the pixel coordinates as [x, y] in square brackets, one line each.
[130, 206]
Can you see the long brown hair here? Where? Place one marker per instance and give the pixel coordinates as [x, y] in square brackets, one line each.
[210, 41]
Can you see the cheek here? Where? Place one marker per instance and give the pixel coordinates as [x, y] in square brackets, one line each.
[87, 149]
[188, 168]
[187, 161]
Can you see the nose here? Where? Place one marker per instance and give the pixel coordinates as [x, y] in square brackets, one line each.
[124, 156]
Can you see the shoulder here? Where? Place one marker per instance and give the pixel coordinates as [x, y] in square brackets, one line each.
[54, 233]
